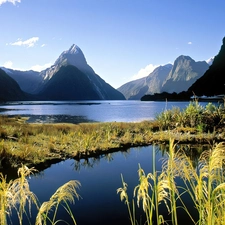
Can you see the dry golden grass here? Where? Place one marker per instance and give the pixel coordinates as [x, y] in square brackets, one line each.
[33, 144]
[15, 196]
[204, 183]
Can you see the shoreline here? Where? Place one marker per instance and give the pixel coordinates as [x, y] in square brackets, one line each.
[40, 145]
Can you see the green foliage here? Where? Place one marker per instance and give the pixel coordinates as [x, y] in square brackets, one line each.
[194, 116]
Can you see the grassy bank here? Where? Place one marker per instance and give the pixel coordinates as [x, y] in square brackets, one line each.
[204, 183]
[33, 144]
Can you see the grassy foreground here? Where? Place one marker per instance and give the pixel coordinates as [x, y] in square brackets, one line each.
[33, 144]
[203, 183]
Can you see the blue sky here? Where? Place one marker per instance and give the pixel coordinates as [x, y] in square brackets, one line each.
[121, 39]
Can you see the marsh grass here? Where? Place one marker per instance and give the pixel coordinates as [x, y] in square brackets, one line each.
[16, 196]
[202, 119]
[63, 195]
[204, 183]
[33, 144]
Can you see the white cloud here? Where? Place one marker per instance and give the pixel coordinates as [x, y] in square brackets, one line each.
[43, 45]
[11, 1]
[40, 68]
[144, 72]
[189, 43]
[8, 64]
[28, 43]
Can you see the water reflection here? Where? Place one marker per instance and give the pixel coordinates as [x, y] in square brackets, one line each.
[100, 177]
[57, 119]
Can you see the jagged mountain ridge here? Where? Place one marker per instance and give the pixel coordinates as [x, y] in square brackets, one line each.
[168, 78]
[74, 57]
[184, 73]
[146, 85]
[62, 86]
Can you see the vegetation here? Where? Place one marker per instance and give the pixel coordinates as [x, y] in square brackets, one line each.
[15, 195]
[205, 185]
[34, 144]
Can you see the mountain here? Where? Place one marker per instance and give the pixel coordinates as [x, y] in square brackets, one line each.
[69, 83]
[210, 61]
[184, 73]
[9, 88]
[37, 83]
[146, 85]
[27, 80]
[213, 80]
[70, 80]
[74, 56]
[169, 78]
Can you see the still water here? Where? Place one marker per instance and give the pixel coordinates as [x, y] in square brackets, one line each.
[99, 177]
[88, 111]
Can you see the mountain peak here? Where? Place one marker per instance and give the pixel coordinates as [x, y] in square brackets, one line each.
[183, 57]
[73, 56]
[74, 49]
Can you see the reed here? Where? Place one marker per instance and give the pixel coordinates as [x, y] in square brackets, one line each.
[204, 183]
[152, 190]
[124, 197]
[63, 195]
[16, 196]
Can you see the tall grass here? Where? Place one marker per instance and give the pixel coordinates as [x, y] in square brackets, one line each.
[16, 196]
[33, 144]
[204, 184]
[194, 115]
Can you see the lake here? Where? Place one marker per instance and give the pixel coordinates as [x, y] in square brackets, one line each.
[88, 111]
[99, 177]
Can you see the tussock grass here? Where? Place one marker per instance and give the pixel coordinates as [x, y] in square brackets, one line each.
[204, 183]
[15, 195]
[33, 144]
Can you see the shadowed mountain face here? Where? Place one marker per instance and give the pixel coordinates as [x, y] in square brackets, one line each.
[69, 83]
[184, 73]
[9, 88]
[74, 79]
[62, 82]
[27, 80]
[213, 81]
[146, 85]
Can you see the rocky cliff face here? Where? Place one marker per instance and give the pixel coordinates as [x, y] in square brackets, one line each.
[69, 83]
[37, 83]
[83, 73]
[147, 85]
[184, 73]
[213, 80]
